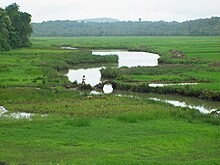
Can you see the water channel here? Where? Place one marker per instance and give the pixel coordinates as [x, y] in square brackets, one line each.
[134, 59]
[126, 58]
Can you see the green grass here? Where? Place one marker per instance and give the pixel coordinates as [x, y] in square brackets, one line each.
[40, 67]
[108, 141]
[104, 130]
[82, 129]
[70, 103]
[201, 53]
[28, 65]
[208, 46]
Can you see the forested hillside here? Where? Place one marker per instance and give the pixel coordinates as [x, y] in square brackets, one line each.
[200, 27]
[15, 28]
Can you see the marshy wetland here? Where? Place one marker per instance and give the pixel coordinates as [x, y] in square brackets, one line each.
[130, 125]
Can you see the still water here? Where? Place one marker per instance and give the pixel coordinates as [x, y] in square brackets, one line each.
[132, 59]
[4, 113]
[164, 85]
[129, 59]
[92, 76]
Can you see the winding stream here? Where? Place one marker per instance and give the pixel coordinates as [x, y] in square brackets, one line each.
[203, 106]
[126, 58]
[134, 59]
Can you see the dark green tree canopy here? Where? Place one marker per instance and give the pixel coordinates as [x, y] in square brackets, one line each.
[200, 27]
[15, 28]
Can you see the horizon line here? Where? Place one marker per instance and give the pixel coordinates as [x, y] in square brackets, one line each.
[118, 20]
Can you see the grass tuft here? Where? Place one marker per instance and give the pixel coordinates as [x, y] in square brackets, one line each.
[79, 122]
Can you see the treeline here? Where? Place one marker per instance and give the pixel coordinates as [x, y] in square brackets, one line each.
[15, 28]
[200, 27]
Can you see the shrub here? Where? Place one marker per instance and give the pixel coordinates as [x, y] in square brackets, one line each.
[85, 87]
[111, 73]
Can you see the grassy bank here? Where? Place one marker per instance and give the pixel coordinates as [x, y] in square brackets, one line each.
[138, 79]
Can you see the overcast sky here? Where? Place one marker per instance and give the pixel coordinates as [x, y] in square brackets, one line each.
[153, 10]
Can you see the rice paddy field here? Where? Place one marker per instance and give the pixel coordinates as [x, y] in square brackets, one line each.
[70, 126]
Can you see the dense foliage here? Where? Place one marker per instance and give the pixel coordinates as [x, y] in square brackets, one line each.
[15, 28]
[200, 27]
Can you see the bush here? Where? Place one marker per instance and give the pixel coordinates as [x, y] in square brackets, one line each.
[85, 87]
[111, 73]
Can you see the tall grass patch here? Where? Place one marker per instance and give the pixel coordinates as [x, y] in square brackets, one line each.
[79, 122]
[135, 117]
[188, 115]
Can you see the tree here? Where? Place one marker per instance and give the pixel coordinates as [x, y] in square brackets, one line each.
[15, 28]
[200, 27]
[4, 32]
[13, 13]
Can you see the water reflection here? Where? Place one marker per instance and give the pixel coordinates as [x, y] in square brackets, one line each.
[201, 109]
[204, 106]
[4, 113]
[95, 93]
[163, 85]
[108, 88]
[2, 110]
[129, 59]
[68, 48]
[92, 76]
[132, 59]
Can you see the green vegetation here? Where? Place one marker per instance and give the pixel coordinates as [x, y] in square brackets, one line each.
[183, 59]
[40, 67]
[107, 129]
[15, 28]
[104, 130]
[200, 27]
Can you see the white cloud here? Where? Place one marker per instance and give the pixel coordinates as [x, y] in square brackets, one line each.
[179, 10]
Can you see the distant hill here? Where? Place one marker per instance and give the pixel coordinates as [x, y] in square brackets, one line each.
[99, 27]
[100, 20]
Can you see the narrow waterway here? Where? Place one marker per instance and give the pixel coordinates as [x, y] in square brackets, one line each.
[203, 106]
[134, 59]
[126, 58]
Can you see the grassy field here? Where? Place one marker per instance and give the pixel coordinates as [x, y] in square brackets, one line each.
[107, 129]
[37, 67]
[204, 48]
[201, 62]
[104, 130]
